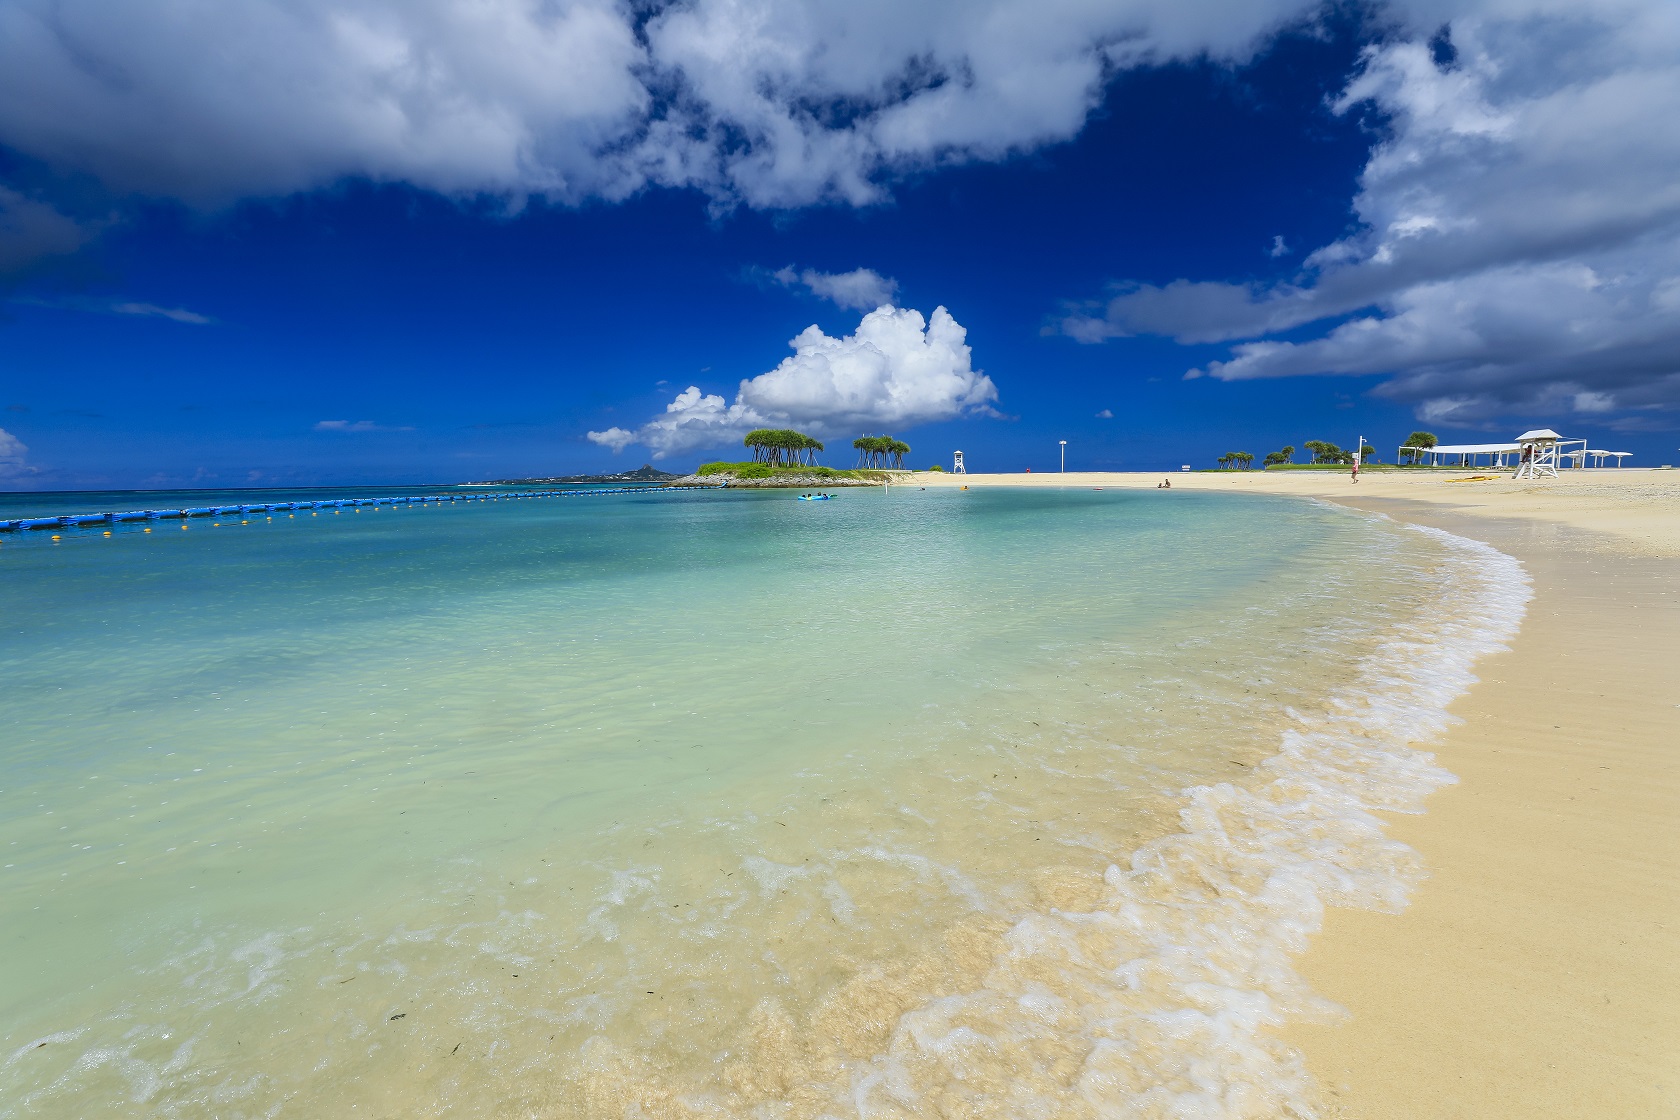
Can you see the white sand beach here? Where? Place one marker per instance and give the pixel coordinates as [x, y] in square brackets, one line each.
[1536, 972]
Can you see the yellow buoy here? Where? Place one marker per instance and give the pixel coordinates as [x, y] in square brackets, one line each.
[107, 532]
[145, 530]
[183, 528]
[56, 537]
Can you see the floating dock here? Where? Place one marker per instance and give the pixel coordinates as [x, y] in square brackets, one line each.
[91, 520]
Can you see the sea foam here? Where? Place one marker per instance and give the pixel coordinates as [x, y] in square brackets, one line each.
[1161, 1001]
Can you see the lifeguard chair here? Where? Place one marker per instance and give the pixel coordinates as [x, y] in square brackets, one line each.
[957, 464]
[1539, 454]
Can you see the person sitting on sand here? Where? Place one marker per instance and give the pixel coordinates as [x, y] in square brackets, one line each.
[1166, 484]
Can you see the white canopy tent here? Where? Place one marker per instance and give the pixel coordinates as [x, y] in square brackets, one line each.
[1535, 454]
[1581, 456]
[1467, 454]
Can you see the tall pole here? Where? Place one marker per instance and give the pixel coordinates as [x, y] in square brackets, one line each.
[1064, 456]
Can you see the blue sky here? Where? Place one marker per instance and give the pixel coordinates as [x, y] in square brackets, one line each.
[409, 244]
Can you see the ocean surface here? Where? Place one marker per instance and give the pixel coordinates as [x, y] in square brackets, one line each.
[996, 803]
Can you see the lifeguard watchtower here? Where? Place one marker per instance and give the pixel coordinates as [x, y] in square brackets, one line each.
[1539, 457]
[957, 464]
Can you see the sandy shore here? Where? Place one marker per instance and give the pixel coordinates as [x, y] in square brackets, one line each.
[1537, 971]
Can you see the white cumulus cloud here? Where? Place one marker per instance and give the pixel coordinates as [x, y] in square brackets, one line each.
[897, 370]
[13, 455]
[1519, 240]
[862, 289]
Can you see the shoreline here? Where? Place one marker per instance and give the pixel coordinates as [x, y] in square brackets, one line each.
[1536, 971]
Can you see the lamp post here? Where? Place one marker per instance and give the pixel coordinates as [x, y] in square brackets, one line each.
[1064, 456]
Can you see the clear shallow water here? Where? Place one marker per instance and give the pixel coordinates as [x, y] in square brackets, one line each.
[717, 804]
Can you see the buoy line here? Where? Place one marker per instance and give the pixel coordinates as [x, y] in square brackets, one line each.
[187, 513]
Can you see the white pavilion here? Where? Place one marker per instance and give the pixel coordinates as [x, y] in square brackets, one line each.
[1535, 454]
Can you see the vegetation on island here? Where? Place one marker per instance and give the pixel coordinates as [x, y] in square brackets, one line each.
[762, 470]
[782, 447]
[881, 452]
[1236, 460]
[784, 454]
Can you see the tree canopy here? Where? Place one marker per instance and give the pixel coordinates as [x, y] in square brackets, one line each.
[1240, 460]
[1418, 442]
[1324, 452]
[1278, 458]
[881, 452]
[782, 447]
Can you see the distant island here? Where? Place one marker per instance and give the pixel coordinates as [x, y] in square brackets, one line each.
[645, 473]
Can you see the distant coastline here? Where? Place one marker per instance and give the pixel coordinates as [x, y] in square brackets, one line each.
[645, 473]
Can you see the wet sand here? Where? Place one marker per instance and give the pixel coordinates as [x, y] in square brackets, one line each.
[1537, 971]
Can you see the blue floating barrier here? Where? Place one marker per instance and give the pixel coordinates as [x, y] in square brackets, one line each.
[77, 520]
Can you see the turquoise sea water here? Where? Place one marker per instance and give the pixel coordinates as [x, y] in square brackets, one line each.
[633, 805]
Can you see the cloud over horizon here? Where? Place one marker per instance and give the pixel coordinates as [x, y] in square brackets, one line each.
[1519, 241]
[13, 456]
[897, 370]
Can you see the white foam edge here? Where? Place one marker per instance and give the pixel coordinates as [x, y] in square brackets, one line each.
[1169, 992]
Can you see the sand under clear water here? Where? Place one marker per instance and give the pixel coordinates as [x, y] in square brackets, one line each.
[986, 803]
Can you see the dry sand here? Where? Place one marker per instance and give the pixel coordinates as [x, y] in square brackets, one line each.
[1537, 971]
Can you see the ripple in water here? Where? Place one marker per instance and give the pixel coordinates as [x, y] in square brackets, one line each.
[985, 804]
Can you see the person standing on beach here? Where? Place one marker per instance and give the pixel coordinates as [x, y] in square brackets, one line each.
[1356, 468]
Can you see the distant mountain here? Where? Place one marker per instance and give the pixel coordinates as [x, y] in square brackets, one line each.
[641, 474]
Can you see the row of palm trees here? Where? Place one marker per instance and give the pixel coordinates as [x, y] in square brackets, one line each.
[881, 452]
[783, 447]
